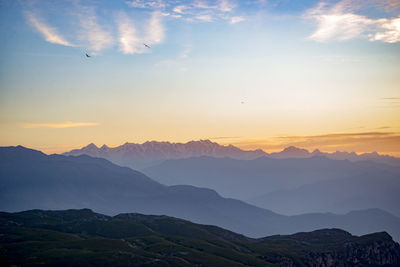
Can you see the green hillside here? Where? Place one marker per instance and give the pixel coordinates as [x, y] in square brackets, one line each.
[85, 238]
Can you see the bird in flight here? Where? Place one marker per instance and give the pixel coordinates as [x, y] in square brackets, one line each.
[146, 45]
[87, 55]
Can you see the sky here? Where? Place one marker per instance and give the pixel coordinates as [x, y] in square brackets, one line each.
[256, 74]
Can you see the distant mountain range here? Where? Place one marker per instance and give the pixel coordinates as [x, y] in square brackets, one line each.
[85, 238]
[294, 152]
[30, 179]
[290, 186]
[140, 156]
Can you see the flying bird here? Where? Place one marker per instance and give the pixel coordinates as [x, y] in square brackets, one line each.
[146, 45]
[87, 55]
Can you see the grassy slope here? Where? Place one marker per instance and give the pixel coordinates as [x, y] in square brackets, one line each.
[81, 237]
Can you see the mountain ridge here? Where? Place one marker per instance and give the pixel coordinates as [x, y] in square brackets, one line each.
[68, 237]
[150, 153]
[65, 182]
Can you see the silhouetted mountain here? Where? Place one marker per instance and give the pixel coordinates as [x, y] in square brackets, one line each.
[82, 237]
[139, 156]
[277, 184]
[30, 179]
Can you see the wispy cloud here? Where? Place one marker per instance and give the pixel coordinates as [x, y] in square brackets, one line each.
[205, 18]
[391, 98]
[383, 128]
[340, 22]
[390, 102]
[129, 42]
[90, 27]
[226, 5]
[155, 30]
[224, 137]
[49, 33]
[203, 10]
[59, 125]
[236, 19]
[388, 142]
[179, 9]
[146, 4]
[221, 5]
[92, 33]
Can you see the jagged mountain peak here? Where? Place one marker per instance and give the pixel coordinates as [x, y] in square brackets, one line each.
[104, 147]
[149, 153]
[139, 156]
[294, 149]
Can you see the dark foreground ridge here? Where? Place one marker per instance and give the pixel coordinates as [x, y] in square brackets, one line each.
[85, 238]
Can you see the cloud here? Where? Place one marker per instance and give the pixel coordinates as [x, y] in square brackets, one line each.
[383, 127]
[221, 5]
[340, 22]
[132, 42]
[129, 42]
[224, 137]
[59, 125]
[202, 4]
[236, 19]
[157, 4]
[226, 5]
[204, 11]
[339, 135]
[155, 30]
[92, 32]
[49, 33]
[391, 102]
[387, 142]
[391, 98]
[95, 33]
[179, 9]
[390, 33]
[205, 18]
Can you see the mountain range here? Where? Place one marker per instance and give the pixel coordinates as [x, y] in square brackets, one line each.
[85, 238]
[140, 156]
[30, 179]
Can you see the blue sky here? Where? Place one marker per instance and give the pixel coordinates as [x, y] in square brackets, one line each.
[255, 71]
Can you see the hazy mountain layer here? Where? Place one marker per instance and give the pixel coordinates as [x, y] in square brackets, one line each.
[290, 186]
[82, 237]
[371, 190]
[30, 179]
